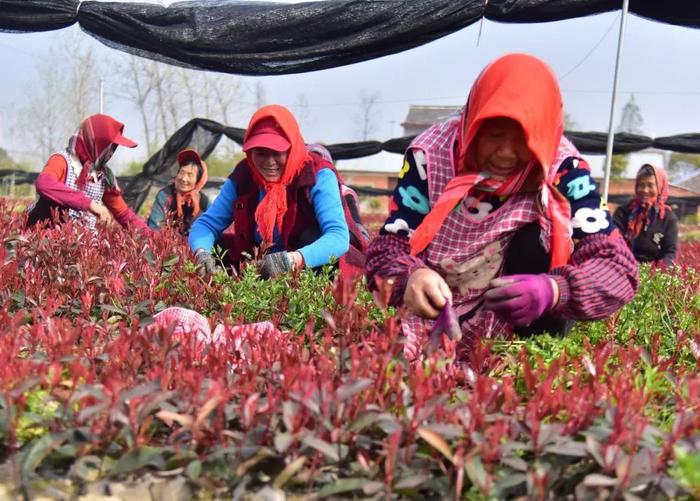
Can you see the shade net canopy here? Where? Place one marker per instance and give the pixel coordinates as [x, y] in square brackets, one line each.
[256, 38]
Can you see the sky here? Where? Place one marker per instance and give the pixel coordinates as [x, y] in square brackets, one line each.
[659, 67]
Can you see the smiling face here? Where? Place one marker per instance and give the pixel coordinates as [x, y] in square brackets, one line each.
[500, 148]
[186, 178]
[269, 163]
[646, 187]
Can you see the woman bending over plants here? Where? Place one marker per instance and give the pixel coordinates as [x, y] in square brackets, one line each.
[77, 183]
[496, 214]
[282, 199]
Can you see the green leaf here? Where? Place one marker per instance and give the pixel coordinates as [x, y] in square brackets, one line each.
[86, 468]
[411, 481]
[476, 471]
[568, 448]
[329, 450]
[135, 460]
[40, 450]
[343, 485]
[193, 470]
[171, 260]
[363, 421]
[350, 389]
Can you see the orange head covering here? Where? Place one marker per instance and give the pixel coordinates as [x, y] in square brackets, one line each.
[191, 198]
[273, 206]
[522, 88]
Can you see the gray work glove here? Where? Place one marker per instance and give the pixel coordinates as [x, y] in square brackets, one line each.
[275, 264]
[206, 262]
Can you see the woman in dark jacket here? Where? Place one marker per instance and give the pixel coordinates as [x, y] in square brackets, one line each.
[182, 201]
[649, 225]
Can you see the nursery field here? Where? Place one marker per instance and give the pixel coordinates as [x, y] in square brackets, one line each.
[95, 404]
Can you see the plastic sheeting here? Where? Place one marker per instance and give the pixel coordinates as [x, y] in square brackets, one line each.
[267, 38]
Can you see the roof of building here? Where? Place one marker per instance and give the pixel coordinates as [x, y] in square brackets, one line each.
[428, 115]
[692, 183]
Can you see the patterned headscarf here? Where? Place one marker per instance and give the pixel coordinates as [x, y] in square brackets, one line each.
[273, 206]
[644, 212]
[93, 143]
[524, 89]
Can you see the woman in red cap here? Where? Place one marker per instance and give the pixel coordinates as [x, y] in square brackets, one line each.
[648, 222]
[77, 183]
[182, 201]
[281, 198]
[496, 216]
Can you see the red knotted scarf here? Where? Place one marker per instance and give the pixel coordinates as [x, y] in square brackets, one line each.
[271, 209]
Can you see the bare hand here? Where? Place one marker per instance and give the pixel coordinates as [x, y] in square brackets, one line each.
[102, 213]
[426, 293]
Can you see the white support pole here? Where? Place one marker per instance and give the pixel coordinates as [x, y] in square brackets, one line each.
[611, 132]
[102, 96]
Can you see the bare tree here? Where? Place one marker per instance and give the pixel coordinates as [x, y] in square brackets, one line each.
[368, 115]
[169, 96]
[139, 93]
[66, 93]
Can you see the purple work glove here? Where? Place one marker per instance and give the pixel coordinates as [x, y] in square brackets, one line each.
[520, 299]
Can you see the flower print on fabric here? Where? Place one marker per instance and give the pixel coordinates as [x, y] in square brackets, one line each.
[475, 273]
[476, 209]
[397, 226]
[580, 189]
[421, 164]
[591, 220]
[404, 170]
[412, 198]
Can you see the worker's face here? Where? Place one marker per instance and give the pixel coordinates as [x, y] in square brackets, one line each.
[646, 187]
[269, 163]
[107, 155]
[500, 148]
[186, 178]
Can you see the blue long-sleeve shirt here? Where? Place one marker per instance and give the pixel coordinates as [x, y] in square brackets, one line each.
[325, 197]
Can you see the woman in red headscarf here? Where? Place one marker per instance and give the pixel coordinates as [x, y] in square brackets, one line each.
[496, 216]
[281, 199]
[77, 183]
[182, 201]
[648, 223]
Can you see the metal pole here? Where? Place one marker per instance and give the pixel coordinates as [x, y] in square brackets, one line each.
[611, 132]
[102, 96]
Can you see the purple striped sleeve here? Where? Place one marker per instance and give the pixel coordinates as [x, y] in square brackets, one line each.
[601, 277]
[388, 257]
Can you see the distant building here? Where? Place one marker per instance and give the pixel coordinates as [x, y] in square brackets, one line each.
[692, 183]
[420, 118]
